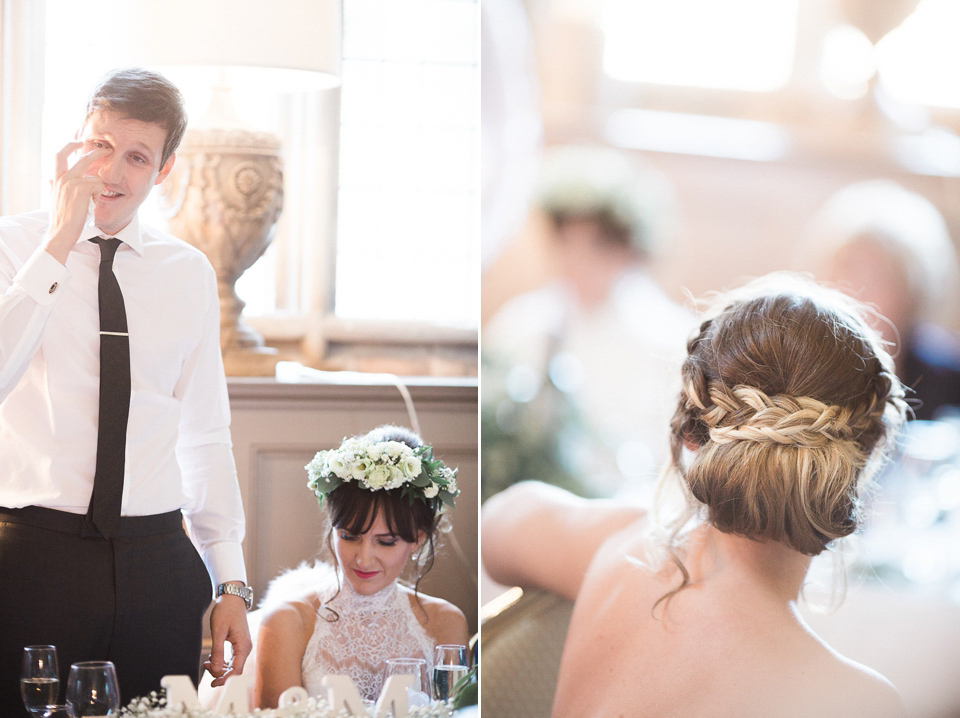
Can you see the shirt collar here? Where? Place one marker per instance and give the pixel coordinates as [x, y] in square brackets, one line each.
[129, 235]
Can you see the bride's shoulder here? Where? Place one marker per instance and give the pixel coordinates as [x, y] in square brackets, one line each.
[870, 695]
[444, 621]
[300, 590]
[824, 682]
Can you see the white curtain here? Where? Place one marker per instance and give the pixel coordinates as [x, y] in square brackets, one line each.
[21, 104]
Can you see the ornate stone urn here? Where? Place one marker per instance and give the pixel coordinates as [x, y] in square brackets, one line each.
[224, 196]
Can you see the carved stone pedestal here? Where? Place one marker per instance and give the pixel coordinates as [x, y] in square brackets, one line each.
[224, 196]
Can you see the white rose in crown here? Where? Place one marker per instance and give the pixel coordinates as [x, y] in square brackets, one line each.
[394, 448]
[380, 477]
[360, 469]
[431, 491]
[334, 465]
[411, 467]
[396, 477]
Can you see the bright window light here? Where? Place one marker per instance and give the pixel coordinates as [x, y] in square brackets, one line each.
[847, 63]
[408, 216]
[726, 44]
[919, 62]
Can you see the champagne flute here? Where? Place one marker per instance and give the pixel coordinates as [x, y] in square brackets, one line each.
[416, 667]
[39, 678]
[449, 666]
[92, 689]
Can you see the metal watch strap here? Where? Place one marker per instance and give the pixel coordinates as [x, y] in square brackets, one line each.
[244, 592]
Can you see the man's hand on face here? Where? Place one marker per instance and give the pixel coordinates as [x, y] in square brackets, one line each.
[72, 193]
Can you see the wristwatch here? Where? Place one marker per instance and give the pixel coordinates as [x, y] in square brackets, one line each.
[244, 592]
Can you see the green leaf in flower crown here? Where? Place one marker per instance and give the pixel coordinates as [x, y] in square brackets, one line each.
[422, 481]
[326, 484]
[410, 494]
[446, 497]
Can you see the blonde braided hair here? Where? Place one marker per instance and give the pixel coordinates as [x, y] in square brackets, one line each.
[786, 420]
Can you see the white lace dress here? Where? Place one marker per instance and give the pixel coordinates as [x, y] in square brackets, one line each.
[369, 630]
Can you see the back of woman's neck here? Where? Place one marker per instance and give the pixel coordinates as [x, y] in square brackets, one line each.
[764, 569]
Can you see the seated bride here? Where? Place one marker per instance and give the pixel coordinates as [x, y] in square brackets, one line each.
[384, 494]
[787, 398]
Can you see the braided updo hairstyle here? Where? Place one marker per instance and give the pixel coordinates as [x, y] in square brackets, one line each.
[787, 397]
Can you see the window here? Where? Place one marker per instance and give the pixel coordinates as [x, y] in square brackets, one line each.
[408, 216]
[733, 44]
[919, 62]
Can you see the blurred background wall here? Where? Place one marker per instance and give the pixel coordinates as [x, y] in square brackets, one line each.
[836, 91]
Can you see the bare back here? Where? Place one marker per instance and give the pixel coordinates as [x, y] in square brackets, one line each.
[727, 647]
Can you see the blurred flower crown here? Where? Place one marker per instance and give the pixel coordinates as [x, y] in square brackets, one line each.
[376, 465]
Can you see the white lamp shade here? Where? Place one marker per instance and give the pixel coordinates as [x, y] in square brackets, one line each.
[304, 36]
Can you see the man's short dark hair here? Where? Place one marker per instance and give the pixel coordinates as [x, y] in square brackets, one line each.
[143, 95]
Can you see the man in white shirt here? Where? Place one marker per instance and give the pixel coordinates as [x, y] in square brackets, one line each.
[135, 592]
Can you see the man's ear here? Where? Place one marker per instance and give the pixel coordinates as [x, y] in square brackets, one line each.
[166, 169]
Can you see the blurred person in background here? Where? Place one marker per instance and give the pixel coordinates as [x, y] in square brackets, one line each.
[890, 248]
[589, 361]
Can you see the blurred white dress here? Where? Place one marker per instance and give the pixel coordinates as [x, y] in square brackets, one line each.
[359, 638]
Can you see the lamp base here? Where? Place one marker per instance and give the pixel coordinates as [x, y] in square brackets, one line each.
[260, 361]
[224, 196]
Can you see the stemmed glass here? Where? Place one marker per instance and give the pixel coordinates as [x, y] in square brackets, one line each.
[449, 666]
[419, 692]
[39, 678]
[55, 711]
[92, 689]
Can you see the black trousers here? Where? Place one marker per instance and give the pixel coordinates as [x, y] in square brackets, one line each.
[137, 600]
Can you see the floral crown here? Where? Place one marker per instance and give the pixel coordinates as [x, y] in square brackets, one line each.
[376, 465]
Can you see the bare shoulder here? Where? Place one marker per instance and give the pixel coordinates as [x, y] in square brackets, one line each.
[291, 618]
[539, 535]
[829, 684]
[443, 621]
[869, 694]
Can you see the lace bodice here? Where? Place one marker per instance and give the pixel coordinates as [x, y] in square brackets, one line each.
[369, 630]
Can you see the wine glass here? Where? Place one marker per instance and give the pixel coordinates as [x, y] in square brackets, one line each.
[92, 689]
[416, 667]
[449, 666]
[39, 678]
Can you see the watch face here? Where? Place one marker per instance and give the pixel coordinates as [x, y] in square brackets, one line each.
[244, 592]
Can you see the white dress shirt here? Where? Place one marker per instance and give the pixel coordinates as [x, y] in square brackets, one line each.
[178, 452]
[624, 356]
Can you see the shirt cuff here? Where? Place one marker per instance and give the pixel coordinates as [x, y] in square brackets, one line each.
[43, 278]
[224, 561]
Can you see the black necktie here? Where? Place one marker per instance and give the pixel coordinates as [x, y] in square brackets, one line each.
[104, 509]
